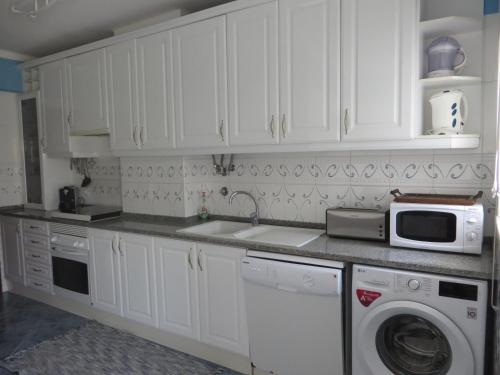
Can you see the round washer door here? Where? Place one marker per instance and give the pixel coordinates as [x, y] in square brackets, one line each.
[410, 338]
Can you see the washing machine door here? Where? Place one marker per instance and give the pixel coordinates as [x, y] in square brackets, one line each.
[410, 338]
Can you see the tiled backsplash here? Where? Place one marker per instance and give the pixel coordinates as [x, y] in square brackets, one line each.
[295, 188]
[11, 184]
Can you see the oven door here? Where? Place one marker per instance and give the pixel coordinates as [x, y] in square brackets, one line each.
[70, 273]
[436, 229]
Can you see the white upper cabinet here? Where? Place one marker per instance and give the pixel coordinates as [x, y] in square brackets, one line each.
[222, 304]
[87, 102]
[177, 287]
[309, 70]
[378, 77]
[104, 272]
[200, 84]
[155, 91]
[253, 75]
[122, 93]
[53, 97]
[138, 278]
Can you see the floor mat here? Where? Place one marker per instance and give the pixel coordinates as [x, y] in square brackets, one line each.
[99, 349]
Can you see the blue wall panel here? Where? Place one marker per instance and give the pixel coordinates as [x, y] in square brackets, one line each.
[10, 76]
[491, 6]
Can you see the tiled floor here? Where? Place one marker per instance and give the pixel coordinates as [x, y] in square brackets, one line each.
[25, 322]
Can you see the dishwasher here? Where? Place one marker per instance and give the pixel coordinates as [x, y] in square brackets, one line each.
[294, 313]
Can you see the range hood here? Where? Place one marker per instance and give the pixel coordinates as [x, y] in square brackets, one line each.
[85, 146]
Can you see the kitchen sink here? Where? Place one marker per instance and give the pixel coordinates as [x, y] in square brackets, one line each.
[217, 228]
[270, 234]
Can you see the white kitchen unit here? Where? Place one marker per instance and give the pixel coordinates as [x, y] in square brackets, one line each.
[200, 84]
[309, 45]
[379, 70]
[253, 75]
[104, 273]
[12, 249]
[222, 303]
[36, 248]
[155, 91]
[87, 101]
[177, 286]
[53, 97]
[122, 93]
[138, 278]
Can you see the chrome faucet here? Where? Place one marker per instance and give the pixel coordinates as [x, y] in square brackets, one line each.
[254, 216]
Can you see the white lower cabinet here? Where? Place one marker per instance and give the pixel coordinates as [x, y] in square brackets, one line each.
[138, 278]
[105, 272]
[222, 304]
[189, 289]
[12, 249]
[177, 287]
[200, 293]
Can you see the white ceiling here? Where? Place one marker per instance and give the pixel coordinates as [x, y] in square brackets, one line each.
[70, 23]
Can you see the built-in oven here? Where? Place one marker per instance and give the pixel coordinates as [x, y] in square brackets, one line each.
[70, 263]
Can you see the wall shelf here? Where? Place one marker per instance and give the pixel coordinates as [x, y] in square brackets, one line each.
[450, 26]
[451, 81]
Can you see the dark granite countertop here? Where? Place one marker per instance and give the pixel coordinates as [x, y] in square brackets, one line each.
[343, 250]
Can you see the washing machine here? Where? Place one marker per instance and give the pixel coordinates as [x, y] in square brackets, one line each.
[409, 323]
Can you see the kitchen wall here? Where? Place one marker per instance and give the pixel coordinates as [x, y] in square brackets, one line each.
[105, 188]
[301, 187]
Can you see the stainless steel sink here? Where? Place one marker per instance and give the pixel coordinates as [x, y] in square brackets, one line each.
[270, 234]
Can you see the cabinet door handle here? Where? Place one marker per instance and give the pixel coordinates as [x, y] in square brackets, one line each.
[36, 270]
[190, 261]
[42, 142]
[141, 135]
[113, 246]
[37, 284]
[69, 119]
[271, 126]
[33, 227]
[346, 120]
[221, 130]
[283, 129]
[199, 261]
[34, 242]
[35, 256]
[120, 246]
[134, 135]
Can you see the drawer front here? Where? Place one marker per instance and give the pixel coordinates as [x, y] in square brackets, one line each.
[33, 240]
[40, 284]
[36, 227]
[37, 255]
[38, 270]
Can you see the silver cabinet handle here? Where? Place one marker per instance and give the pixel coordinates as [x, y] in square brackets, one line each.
[38, 270]
[42, 143]
[271, 126]
[69, 119]
[34, 227]
[113, 248]
[37, 256]
[120, 246]
[199, 261]
[134, 135]
[37, 284]
[34, 242]
[190, 261]
[346, 120]
[221, 130]
[141, 135]
[283, 129]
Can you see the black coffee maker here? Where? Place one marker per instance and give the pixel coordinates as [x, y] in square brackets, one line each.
[69, 198]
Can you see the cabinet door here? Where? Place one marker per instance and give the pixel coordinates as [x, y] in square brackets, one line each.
[155, 89]
[122, 92]
[222, 305]
[177, 287]
[12, 250]
[253, 75]
[87, 102]
[138, 278]
[105, 271]
[54, 119]
[309, 70]
[200, 84]
[379, 75]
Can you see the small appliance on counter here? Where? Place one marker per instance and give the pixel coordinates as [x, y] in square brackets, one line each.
[447, 115]
[452, 223]
[357, 223]
[71, 206]
[442, 55]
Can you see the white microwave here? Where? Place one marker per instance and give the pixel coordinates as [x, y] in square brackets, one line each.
[440, 227]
